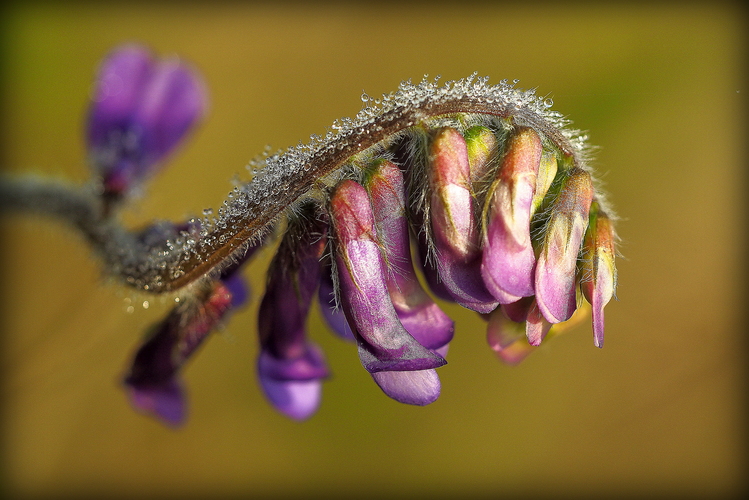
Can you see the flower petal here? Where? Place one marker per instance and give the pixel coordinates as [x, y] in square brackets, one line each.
[289, 366]
[507, 338]
[334, 317]
[418, 313]
[508, 260]
[140, 110]
[383, 343]
[165, 401]
[420, 387]
[557, 261]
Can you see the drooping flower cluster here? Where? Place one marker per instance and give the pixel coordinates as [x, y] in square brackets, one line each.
[479, 190]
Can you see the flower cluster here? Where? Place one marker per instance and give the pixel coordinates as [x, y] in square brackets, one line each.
[480, 190]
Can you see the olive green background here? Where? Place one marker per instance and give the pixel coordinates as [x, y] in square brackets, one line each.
[659, 410]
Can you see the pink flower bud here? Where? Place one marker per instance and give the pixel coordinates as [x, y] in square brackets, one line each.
[598, 268]
[508, 260]
[557, 261]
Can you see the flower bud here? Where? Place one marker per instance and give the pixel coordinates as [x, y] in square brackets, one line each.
[454, 222]
[481, 147]
[141, 109]
[152, 380]
[384, 345]
[598, 268]
[557, 261]
[418, 313]
[508, 260]
[290, 367]
[547, 171]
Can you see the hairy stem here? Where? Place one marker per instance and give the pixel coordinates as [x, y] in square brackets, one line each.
[285, 179]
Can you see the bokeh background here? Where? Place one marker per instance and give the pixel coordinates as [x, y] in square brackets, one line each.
[659, 411]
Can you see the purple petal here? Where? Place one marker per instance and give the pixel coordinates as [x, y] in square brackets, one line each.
[557, 262]
[518, 311]
[165, 401]
[536, 326]
[463, 281]
[238, 288]
[293, 278]
[383, 342]
[297, 399]
[290, 367]
[172, 102]
[119, 87]
[293, 386]
[420, 387]
[308, 365]
[418, 313]
[139, 112]
[508, 260]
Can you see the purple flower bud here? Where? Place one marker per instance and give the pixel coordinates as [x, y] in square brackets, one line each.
[418, 387]
[599, 269]
[384, 345]
[557, 261]
[141, 109]
[508, 260]
[454, 222]
[418, 313]
[152, 380]
[290, 367]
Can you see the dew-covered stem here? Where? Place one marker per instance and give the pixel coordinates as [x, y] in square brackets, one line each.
[284, 179]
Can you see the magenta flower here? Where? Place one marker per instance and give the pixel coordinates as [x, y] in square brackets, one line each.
[141, 109]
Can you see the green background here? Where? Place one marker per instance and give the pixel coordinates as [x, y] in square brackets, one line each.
[659, 410]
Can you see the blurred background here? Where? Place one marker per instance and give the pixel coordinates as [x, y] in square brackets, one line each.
[660, 410]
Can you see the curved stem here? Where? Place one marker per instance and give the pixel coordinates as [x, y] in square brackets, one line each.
[285, 179]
